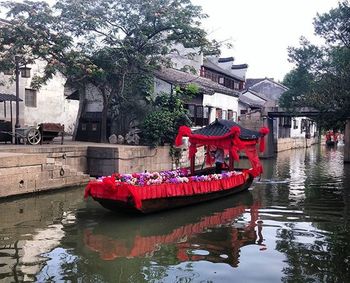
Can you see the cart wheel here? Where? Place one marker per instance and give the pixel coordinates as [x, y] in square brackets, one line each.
[33, 136]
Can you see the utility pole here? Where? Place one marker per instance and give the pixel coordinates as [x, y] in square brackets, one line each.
[17, 125]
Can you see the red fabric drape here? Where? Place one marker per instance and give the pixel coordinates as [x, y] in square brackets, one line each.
[264, 131]
[184, 131]
[250, 151]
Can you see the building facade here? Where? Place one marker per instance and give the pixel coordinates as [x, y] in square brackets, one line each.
[45, 105]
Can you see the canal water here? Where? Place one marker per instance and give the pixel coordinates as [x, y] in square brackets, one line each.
[291, 226]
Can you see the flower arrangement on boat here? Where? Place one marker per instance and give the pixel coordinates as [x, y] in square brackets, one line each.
[166, 177]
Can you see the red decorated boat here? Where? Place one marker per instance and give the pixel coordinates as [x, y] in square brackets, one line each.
[150, 192]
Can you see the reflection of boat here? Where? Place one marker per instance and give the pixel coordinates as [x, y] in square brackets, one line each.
[330, 143]
[136, 192]
[331, 139]
[144, 239]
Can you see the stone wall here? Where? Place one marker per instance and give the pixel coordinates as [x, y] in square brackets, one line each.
[27, 169]
[22, 173]
[291, 143]
[127, 159]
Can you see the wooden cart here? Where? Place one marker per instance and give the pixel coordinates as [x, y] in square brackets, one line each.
[43, 133]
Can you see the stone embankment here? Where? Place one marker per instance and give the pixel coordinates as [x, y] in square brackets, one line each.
[25, 169]
[30, 169]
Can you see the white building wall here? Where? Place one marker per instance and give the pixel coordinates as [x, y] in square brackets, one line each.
[239, 73]
[217, 100]
[52, 106]
[242, 106]
[296, 133]
[222, 101]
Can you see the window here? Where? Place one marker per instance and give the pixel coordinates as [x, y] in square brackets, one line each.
[285, 122]
[218, 113]
[94, 127]
[191, 110]
[221, 80]
[224, 114]
[243, 111]
[305, 126]
[295, 124]
[83, 127]
[236, 85]
[198, 114]
[229, 115]
[30, 97]
[206, 113]
[25, 72]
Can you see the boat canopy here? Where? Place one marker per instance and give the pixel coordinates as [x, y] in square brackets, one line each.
[221, 128]
[227, 135]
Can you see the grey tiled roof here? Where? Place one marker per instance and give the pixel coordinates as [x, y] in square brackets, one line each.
[8, 97]
[207, 63]
[227, 59]
[258, 94]
[251, 82]
[250, 102]
[176, 77]
[222, 127]
[240, 66]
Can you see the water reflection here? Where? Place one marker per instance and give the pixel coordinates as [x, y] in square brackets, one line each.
[292, 226]
[312, 215]
[188, 238]
[105, 247]
[31, 227]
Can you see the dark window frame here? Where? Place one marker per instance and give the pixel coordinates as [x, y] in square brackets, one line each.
[30, 101]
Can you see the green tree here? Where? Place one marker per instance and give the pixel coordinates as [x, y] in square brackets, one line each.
[162, 124]
[321, 78]
[104, 43]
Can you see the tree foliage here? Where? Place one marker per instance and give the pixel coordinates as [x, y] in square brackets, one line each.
[105, 43]
[321, 78]
[162, 124]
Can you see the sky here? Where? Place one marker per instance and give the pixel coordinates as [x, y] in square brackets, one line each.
[262, 30]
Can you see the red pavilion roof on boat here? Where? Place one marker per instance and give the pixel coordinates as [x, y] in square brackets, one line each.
[227, 135]
[221, 128]
[221, 133]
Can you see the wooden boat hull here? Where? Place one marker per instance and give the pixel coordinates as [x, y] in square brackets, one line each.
[159, 204]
